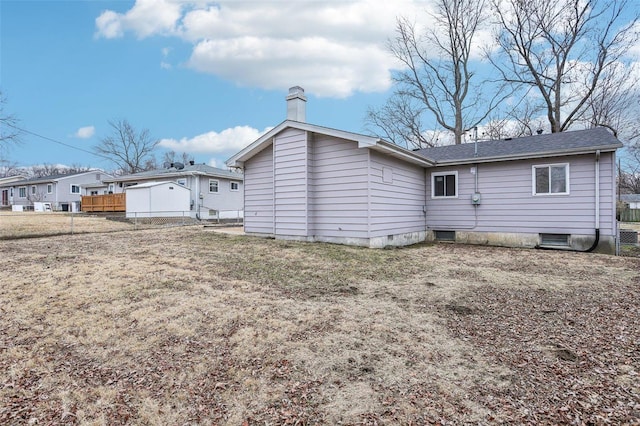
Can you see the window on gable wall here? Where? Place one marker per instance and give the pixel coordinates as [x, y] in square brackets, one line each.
[444, 185]
[213, 185]
[235, 186]
[550, 179]
[75, 189]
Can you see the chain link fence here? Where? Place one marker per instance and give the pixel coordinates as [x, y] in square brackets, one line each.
[32, 224]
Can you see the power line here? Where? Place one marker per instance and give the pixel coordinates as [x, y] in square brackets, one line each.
[57, 141]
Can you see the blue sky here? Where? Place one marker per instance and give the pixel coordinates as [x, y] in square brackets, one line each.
[204, 78]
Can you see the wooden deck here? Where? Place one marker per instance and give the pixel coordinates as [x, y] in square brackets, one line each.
[104, 203]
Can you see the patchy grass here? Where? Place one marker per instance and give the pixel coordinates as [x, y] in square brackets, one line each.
[186, 325]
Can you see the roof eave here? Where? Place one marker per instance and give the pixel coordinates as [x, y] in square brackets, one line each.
[363, 141]
[401, 153]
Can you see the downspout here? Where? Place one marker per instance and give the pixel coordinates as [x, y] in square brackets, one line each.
[597, 221]
[196, 178]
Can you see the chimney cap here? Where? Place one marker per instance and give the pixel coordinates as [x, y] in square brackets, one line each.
[295, 89]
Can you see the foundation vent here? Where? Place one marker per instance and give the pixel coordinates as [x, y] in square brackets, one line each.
[554, 239]
[445, 235]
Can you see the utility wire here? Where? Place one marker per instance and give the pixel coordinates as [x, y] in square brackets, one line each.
[57, 141]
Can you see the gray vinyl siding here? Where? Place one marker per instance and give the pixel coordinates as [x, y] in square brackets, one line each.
[338, 190]
[223, 201]
[290, 182]
[258, 193]
[61, 189]
[507, 203]
[396, 206]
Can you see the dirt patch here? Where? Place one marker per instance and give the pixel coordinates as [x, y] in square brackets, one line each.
[187, 325]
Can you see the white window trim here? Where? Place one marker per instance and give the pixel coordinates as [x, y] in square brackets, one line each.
[49, 188]
[550, 194]
[231, 186]
[217, 187]
[71, 189]
[34, 190]
[433, 186]
[181, 181]
[25, 192]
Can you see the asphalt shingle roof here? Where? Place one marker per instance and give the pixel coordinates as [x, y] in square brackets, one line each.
[52, 178]
[538, 145]
[630, 198]
[188, 169]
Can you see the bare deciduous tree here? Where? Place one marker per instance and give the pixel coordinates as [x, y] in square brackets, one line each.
[562, 50]
[173, 157]
[523, 120]
[9, 131]
[129, 150]
[437, 77]
[9, 168]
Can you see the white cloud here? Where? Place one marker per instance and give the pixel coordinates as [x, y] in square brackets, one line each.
[259, 62]
[332, 48]
[145, 18]
[85, 132]
[228, 141]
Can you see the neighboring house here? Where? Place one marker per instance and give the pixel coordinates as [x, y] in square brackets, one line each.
[63, 192]
[633, 200]
[314, 183]
[7, 191]
[214, 193]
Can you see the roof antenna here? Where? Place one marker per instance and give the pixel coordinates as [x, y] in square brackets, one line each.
[475, 138]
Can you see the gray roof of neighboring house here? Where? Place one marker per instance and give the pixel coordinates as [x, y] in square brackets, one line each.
[201, 169]
[544, 145]
[630, 198]
[54, 178]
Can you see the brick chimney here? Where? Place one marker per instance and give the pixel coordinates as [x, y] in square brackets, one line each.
[296, 104]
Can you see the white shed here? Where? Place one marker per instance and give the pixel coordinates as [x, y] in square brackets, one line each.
[158, 199]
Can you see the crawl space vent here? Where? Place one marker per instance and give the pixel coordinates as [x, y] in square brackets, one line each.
[445, 235]
[554, 239]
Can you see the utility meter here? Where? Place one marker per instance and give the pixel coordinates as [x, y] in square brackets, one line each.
[475, 199]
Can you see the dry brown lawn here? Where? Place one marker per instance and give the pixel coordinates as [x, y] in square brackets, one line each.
[191, 326]
[34, 224]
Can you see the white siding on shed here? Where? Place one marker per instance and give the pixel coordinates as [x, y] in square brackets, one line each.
[158, 199]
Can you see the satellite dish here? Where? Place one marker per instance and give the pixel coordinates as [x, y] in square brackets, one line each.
[178, 166]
